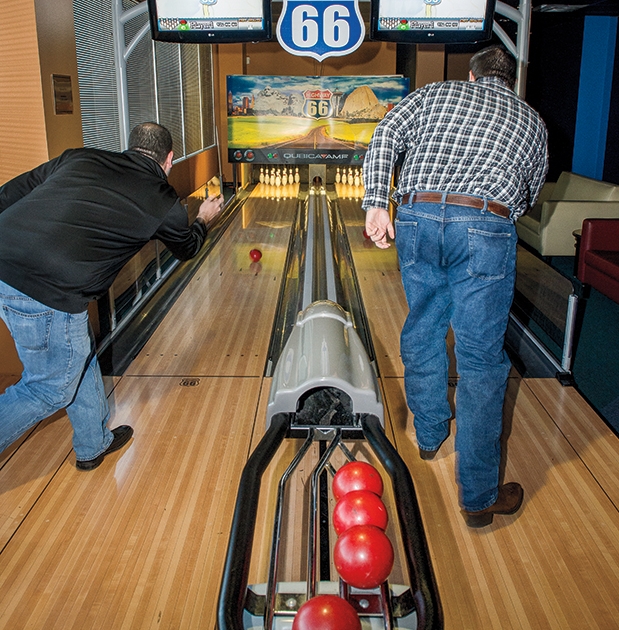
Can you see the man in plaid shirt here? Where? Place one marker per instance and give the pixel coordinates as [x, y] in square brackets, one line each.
[475, 159]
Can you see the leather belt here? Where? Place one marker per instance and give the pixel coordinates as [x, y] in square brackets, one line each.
[457, 200]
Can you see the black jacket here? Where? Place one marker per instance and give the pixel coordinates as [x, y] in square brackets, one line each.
[69, 226]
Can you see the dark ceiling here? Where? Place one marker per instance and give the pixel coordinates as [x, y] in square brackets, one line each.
[590, 7]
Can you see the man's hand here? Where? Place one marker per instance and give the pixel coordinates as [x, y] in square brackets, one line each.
[378, 226]
[210, 208]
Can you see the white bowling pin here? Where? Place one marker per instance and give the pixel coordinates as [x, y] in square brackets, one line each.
[297, 177]
[338, 176]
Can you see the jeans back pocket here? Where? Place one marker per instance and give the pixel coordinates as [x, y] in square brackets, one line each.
[31, 331]
[488, 254]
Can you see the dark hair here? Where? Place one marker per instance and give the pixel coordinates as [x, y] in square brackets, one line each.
[151, 139]
[494, 61]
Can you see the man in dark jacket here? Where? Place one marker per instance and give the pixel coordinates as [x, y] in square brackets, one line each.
[66, 229]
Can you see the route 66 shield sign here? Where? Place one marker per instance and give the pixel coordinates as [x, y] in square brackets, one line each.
[320, 28]
[317, 104]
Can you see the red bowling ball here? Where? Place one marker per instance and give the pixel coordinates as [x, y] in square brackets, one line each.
[326, 612]
[357, 476]
[255, 255]
[363, 556]
[359, 507]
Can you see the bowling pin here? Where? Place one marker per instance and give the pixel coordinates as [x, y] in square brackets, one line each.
[272, 178]
[357, 178]
[344, 177]
[297, 177]
[278, 178]
[285, 178]
[338, 176]
[262, 174]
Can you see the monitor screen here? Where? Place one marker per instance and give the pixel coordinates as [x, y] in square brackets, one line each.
[432, 21]
[210, 21]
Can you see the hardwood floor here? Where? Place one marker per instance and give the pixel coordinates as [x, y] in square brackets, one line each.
[140, 541]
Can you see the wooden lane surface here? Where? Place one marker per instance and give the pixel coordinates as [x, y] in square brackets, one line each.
[221, 324]
[555, 564]
[140, 541]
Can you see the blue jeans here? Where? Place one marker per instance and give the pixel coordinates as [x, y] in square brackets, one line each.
[60, 371]
[458, 268]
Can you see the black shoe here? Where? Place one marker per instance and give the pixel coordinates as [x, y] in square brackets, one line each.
[508, 501]
[427, 455]
[122, 435]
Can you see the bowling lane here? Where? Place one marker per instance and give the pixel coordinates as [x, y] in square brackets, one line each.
[140, 541]
[221, 324]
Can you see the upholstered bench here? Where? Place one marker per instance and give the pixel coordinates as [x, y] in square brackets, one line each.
[561, 209]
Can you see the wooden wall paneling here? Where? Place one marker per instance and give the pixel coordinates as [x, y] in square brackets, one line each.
[23, 142]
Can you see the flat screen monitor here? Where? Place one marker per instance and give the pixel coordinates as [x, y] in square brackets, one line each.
[432, 21]
[210, 21]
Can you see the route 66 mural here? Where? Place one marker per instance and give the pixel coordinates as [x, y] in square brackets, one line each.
[303, 120]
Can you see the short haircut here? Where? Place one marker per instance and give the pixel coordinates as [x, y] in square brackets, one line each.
[151, 139]
[494, 61]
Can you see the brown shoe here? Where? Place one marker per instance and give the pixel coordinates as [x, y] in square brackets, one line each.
[508, 502]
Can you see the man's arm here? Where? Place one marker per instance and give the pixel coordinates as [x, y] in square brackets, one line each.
[182, 239]
[378, 226]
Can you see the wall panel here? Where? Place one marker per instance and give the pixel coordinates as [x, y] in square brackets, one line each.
[23, 143]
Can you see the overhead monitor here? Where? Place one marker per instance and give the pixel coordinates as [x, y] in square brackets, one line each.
[432, 21]
[210, 21]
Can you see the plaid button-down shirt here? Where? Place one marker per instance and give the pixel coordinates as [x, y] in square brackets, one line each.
[477, 138]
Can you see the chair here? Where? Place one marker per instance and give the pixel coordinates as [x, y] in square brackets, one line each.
[561, 209]
[598, 260]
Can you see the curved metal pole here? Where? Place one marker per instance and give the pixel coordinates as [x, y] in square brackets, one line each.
[238, 557]
[421, 575]
[312, 538]
[277, 529]
[522, 17]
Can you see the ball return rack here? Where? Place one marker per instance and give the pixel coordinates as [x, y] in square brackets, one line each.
[325, 392]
